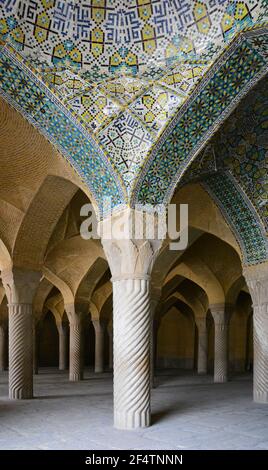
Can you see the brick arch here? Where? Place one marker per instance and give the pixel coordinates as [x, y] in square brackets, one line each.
[60, 127]
[40, 220]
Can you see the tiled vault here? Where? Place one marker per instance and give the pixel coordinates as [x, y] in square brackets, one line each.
[135, 87]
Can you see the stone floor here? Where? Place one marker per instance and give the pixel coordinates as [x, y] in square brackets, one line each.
[189, 412]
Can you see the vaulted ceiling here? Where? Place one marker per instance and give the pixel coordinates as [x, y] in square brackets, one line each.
[129, 91]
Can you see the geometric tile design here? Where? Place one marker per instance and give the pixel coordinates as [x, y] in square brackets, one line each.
[147, 78]
[146, 56]
[195, 123]
[156, 107]
[41, 108]
[241, 146]
[240, 215]
[130, 66]
[94, 108]
[127, 143]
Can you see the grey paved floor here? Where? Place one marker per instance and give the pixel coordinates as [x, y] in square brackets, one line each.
[189, 412]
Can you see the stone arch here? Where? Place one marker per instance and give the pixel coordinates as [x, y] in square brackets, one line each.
[43, 290]
[89, 282]
[5, 258]
[40, 220]
[234, 290]
[198, 272]
[183, 357]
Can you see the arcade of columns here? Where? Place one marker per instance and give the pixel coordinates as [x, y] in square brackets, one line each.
[136, 311]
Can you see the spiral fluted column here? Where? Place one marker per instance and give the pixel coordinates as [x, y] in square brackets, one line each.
[20, 351]
[63, 345]
[131, 260]
[202, 345]
[99, 346]
[257, 280]
[221, 316]
[20, 286]
[2, 347]
[155, 297]
[132, 319]
[76, 348]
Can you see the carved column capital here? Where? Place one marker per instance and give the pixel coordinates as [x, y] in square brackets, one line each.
[20, 285]
[98, 325]
[257, 281]
[221, 314]
[75, 317]
[129, 252]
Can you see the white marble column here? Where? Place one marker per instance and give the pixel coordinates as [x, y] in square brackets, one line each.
[3, 336]
[20, 286]
[63, 345]
[99, 346]
[221, 316]
[257, 281]
[130, 261]
[202, 345]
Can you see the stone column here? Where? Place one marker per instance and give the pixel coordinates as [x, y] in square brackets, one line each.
[110, 334]
[202, 345]
[20, 286]
[3, 336]
[63, 345]
[36, 338]
[221, 316]
[99, 346]
[76, 346]
[155, 297]
[130, 260]
[257, 281]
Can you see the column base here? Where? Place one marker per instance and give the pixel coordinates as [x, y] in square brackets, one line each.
[129, 420]
[75, 377]
[202, 372]
[98, 370]
[20, 394]
[260, 396]
[219, 379]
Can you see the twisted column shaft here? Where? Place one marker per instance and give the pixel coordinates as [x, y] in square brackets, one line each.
[20, 287]
[2, 348]
[260, 339]
[132, 319]
[220, 361]
[257, 281]
[221, 316]
[202, 346]
[76, 364]
[131, 239]
[99, 346]
[63, 346]
[20, 351]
